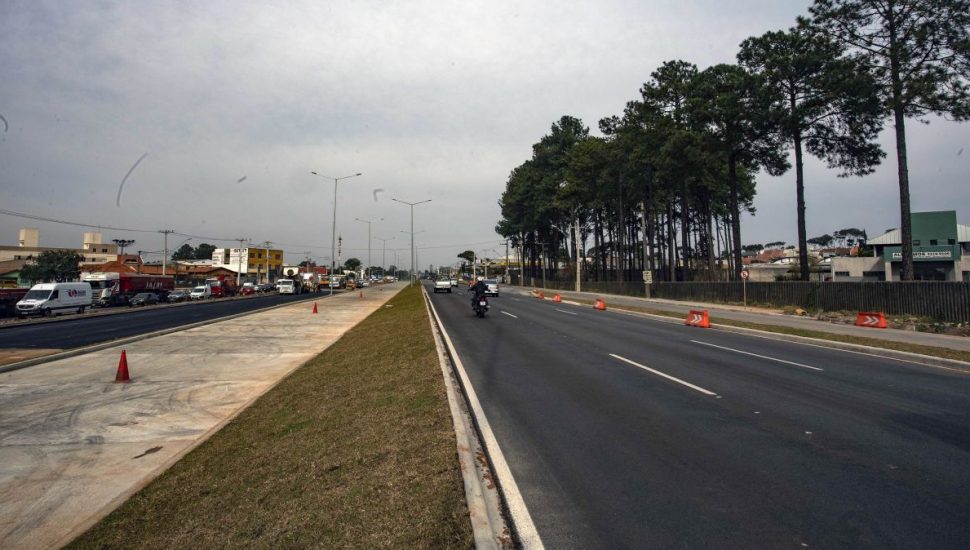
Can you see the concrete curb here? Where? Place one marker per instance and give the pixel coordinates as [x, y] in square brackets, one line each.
[104, 345]
[519, 519]
[484, 507]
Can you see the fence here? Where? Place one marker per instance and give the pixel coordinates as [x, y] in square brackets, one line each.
[942, 301]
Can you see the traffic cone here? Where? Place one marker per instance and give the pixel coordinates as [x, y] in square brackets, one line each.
[314, 308]
[557, 298]
[600, 304]
[542, 295]
[360, 294]
[122, 375]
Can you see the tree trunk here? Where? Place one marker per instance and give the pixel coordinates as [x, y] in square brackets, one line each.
[899, 117]
[735, 214]
[800, 203]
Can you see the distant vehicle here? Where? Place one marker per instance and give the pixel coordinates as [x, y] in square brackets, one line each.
[311, 282]
[454, 281]
[247, 289]
[201, 292]
[177, 296]
[491, 287]
[289, 286]
[442, 285]
[115, 289]
[49, 299]
[143, 299]
[222, 286]
[9, 298]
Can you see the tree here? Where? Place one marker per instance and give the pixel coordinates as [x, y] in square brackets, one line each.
[821, 101]
[728, 103]
[775, 244]
[53, 266]
[822, 241]
[919, 53]
[352, 264]
[184, 252]
[204, 251]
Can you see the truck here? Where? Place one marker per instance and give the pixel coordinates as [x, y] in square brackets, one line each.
[8, 300]
[115, 289]
[311, 282]
[288, 286]
[222, 286]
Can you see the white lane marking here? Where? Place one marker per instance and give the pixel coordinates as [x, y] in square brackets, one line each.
[510, 315]
[570, 302]
[757, 355]
[521, 518]
[667, 376]
[564, 311]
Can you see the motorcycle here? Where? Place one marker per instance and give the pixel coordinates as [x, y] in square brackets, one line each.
[480, 305]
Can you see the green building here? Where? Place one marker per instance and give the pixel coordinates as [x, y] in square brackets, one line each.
[941, 252]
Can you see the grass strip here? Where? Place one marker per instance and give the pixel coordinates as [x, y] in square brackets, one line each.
[932, 351]
[356, 449]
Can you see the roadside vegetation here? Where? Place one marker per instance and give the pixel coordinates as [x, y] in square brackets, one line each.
[356, 449]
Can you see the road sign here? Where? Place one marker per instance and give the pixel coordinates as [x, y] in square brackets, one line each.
[648, 276]
[745, 274]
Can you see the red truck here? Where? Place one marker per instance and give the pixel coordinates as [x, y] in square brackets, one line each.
[115, 289]
[9, 298]
[222, 286]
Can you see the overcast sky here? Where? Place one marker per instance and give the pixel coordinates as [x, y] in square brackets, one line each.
[235, 103]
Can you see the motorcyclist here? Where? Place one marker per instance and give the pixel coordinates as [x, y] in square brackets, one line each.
[477, 290]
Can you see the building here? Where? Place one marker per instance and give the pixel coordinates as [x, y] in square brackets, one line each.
[13, 258]
[941, 252]
[253, 263]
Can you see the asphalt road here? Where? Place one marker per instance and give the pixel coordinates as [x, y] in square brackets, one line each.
[73, 331]
[727, 441]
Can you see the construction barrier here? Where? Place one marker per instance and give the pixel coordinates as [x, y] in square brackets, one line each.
[542, 295]
[122, 375]
[557, 298]
[698, 318]
[870, 319]
[600, 304]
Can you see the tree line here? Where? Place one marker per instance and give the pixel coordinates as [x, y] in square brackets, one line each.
[664, 187]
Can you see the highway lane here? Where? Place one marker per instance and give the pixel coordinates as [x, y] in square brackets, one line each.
[791, 446]
[79, 330]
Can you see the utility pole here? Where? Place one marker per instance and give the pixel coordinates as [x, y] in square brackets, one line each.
[165, 255]
[579, 256]
[239, 261]
[266, 245]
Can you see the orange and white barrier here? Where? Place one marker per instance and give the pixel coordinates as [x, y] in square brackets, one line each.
[698, 318]
[871, 320]
[600, 304]
[557, 298]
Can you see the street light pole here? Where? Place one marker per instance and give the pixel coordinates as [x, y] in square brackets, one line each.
[333, 228]
[384, 254]
[414, 256]
[367, 270]
[239, 261]
[412, 205]
[165, 253]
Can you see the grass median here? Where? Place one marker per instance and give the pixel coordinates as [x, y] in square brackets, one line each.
[356, 449]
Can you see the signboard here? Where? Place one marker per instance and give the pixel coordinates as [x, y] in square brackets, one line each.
[745, 274]
[648, 276]
[927, 255]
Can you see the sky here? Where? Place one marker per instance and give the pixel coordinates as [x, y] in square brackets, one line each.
[230, 105]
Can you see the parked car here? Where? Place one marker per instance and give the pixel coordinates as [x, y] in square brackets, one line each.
[247, 289]
[177, 296]
[143, 299]
[50, 299]
[202, 292]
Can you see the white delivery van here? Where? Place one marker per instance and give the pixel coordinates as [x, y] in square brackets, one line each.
[287, 286]
[55, 298]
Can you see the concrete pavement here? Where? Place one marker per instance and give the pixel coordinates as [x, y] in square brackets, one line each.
[74, 444]
[765, 316]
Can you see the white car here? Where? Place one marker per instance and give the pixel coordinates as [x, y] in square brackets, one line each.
[442, 285]
[491, 287]
[202, 292]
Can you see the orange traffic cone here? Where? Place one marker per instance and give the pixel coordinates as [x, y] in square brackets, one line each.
[600, 304]
[542, 295]
[314, 308]
[557, 298]
[122, 375]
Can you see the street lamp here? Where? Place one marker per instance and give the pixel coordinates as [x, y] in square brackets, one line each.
[412, 205]
[413, 255]
[333, 229]
[367, 269]
[383, 253]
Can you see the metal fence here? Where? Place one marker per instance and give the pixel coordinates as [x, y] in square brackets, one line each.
[942, 301]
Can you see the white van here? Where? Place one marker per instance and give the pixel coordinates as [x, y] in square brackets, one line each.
[49, 299]
[287, 286]
[201, 292]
